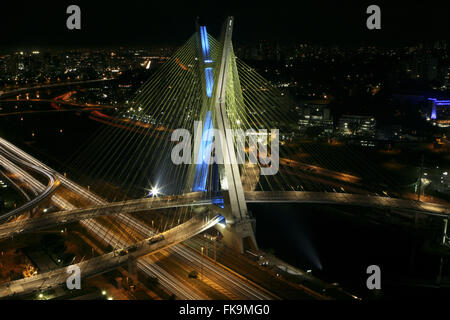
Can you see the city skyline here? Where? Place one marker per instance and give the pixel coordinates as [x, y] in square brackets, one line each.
[229, 165]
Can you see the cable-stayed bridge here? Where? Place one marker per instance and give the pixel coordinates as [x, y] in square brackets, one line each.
[204, 89]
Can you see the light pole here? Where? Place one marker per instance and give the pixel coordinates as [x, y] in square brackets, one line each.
[201, 265]
[215, 256]
[444, 237]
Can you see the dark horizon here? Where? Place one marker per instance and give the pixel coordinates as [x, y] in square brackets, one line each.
[149, 24]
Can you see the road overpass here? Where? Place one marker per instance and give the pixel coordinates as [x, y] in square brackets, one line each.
[114, 259]
[228, 281]
[350, 199]
[59, 218]
[50, 85]
[188, 199]
[199, 199]
[7, 160]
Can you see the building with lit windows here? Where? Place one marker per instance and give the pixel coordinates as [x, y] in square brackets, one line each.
[318, 117]
[358, 129]
[439, 112]
[357, 126]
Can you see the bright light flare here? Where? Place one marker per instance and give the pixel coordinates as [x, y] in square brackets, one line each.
[154, 192]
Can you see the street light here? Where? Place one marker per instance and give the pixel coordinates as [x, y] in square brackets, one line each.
[201, 265]
[154, 192]
[215, 249]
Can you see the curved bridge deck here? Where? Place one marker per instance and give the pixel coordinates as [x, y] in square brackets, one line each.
[8, 161]
[198, 199]
[347, 199]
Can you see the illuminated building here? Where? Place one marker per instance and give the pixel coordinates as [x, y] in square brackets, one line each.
[440, 112]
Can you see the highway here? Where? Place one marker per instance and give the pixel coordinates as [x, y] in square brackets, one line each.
[53, 182]
[239, 288]
[105, 234]
[114, 259]
[427, 208]
[233, 286]
[223, 280]
[344, 177]
[102, 233]
[51, 85]
[53, 219]
[197, 199]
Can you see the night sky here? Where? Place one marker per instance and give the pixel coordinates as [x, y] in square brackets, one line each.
[142, 23]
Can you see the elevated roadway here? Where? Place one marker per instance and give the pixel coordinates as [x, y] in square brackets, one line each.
[50, 85]
[7, 160]
[112, 260]
[120, 210]
[198, 199]
[69, 216]
[427, 208]
[228, 281]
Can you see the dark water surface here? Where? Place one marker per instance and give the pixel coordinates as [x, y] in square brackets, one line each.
[338, 247]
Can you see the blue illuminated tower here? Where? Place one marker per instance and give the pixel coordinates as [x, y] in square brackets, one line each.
[225, 177]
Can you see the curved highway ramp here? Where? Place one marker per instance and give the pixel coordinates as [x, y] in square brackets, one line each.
[8, 161]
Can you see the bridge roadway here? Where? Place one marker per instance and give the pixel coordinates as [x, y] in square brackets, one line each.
[51, 85]
[350, 199]
[59, 218]
[227, 282]
[198, 199]
[7, 160]
[167, 280]
[114, 259]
